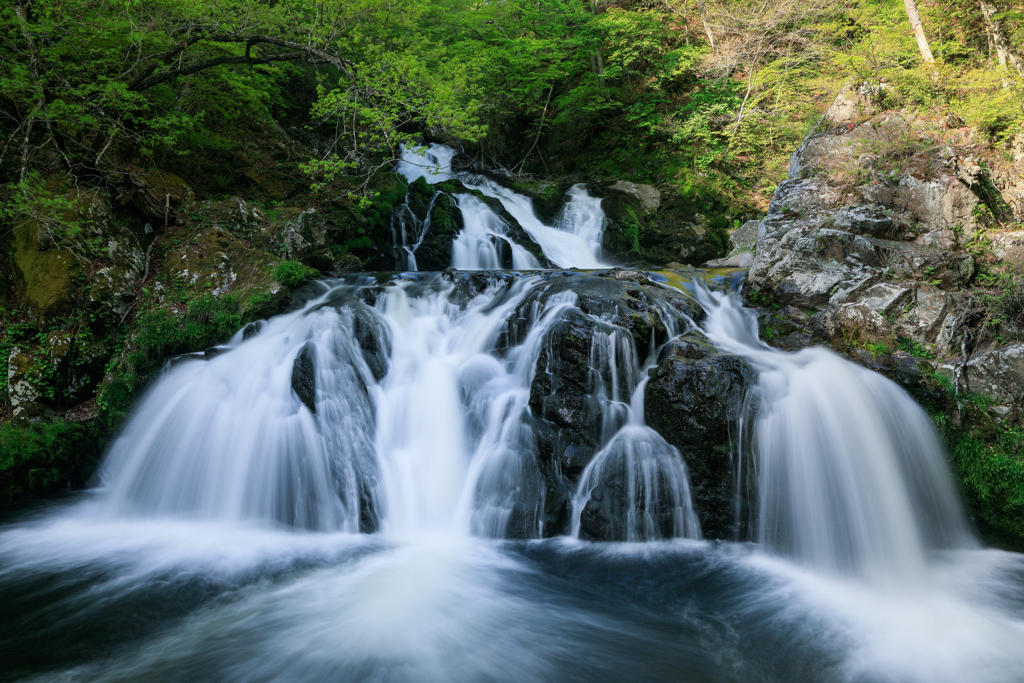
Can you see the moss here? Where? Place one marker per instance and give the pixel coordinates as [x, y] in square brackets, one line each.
[44, 277]
[43, 457]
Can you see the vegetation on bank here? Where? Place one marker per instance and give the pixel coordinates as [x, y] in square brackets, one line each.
[130, 128]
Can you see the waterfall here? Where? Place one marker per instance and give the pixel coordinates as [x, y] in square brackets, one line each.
[653, 474]
[482, 243]
[230, 439]
[574, 241]
[410, 421]
[852, 474]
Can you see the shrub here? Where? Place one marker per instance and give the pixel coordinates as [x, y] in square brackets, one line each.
[293, 273]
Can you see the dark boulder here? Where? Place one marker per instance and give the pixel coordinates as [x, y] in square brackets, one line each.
[304, 376]
[695, 404]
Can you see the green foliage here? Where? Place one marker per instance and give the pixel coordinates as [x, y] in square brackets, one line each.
[291, 274]
[989, 462]
[161, 333]
[915, 349]
[42, 457]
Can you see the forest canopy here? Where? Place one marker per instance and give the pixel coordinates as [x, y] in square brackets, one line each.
[668, 89]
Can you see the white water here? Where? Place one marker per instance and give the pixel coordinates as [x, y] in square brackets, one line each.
[222, 472]
[651, 469]
[229, 440]
[439, 446]
[573, 242]
[481, 243]
[852, 474]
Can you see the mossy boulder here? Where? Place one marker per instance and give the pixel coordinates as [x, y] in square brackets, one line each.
[213, 261]
[158, 195]
[666, 231]
[44, 274]
[25, 379]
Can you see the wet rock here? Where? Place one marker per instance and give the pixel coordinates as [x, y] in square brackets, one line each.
[252, 329]
[692, 346]
[695, 405]
[304, 376]
[373, 340]
[440, 224]
[998, 374]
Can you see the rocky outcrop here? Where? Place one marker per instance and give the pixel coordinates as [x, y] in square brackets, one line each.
[871, 258]
[998, 375]
[646, 226]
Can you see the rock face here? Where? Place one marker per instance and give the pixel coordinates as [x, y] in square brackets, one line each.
[694, 400]
[668, 230]
[998, 374]
[870, 260]
[587, 357]
[648, 196]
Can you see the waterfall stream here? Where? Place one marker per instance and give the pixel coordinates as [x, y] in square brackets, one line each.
[574, 241]
[397, 481]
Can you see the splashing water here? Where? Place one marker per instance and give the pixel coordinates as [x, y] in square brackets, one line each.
[196, 561]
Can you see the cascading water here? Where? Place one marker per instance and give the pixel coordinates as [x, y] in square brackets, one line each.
[224, 546]
[229, 438]
[573, 242]
[439, 445]
[852, 474]
[407, 407]
[653, 474]
[484, 239]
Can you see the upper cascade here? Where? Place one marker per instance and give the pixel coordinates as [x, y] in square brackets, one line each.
[573, 241]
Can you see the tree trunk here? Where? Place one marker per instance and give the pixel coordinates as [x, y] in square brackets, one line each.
[915, 23]
[1004, 50]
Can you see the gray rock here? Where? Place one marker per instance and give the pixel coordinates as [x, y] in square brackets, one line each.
[743, 259]
[744, 238]
[1009, 246]
[887, 298]
[648, 195]
[852, 321]
[999, 375]
[923, 320]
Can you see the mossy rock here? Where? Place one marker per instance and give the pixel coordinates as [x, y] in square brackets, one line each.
[157, 194]
[41, 456]
[676, 232]
[44, 275]
[213, 261]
